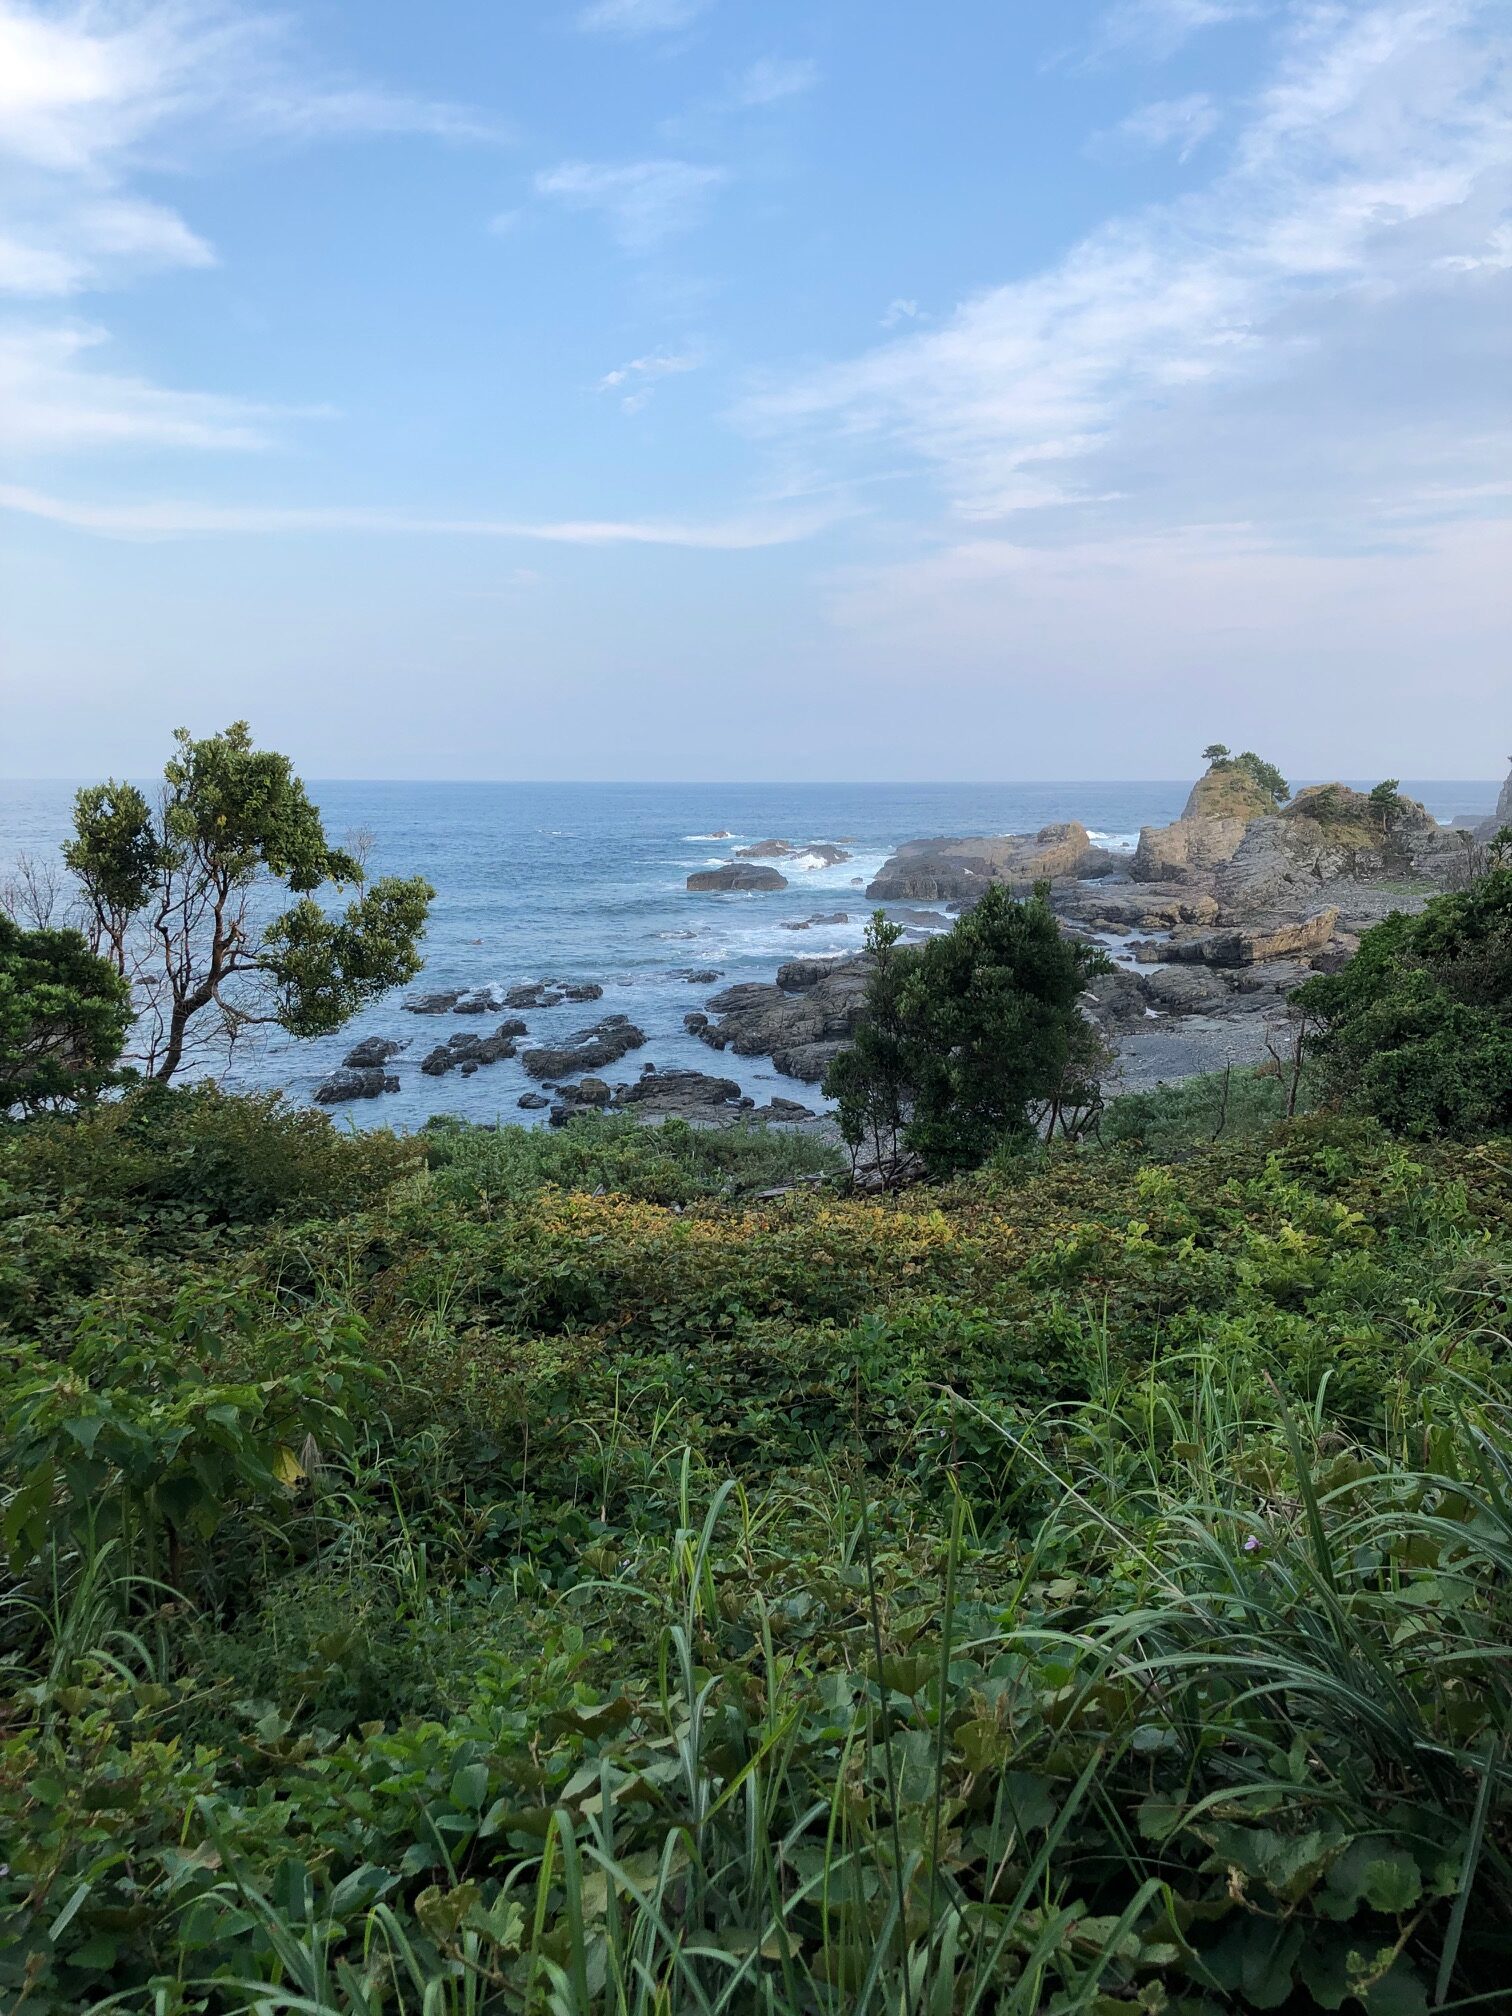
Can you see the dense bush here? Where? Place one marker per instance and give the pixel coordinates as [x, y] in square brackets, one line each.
[968, 1038]
[668, 1164]
[63, 1019]
[1417, 1028]
[1083, 1589]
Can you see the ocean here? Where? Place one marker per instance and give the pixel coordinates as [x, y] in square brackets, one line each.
[587, 882]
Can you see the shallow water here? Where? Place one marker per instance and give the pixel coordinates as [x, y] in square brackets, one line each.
[586, 882]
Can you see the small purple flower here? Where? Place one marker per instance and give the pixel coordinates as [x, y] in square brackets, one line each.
[1252, 1545]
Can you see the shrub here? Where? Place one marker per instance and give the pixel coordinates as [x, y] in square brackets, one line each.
[966, 1035]
[1417, 1028]
[64, 1015]
[200, 1155]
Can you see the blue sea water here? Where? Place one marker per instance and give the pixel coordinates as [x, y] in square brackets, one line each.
[587, 882]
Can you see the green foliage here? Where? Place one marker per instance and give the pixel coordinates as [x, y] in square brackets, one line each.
[1174, 1119]
[175, 895]
[1085, 1588]
[1266, 778]
[964, 1034]
[63, 1019]
[1417, 1028]
[201, 1157]
[668, 1164]
[1385, 800]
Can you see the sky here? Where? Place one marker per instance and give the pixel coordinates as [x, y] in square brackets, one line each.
[663, 389]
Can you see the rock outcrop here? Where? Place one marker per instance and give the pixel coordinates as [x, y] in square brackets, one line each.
[1329, 834]
[811, 854]
[1190, 850]
[1254, 947]
[586, 1050]
[957, 871]
[467, 1053]
[737, 876]
[371, 1054]
[800, 1026]
[1502, 816]
[355, 1083]
[1227, 792]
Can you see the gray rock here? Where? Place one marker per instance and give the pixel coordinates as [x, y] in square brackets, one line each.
[695, 1023]
[438, 1003]
[800, 1029]
[703, 976]
[533, 1102]
[586, 1050]
[826, 917]
[371, 1054]
[355, 1083]
[686, 1094]
[940, 871]
[736, 876]
[1185, 990]
[1118, 1000]
[1252, 948]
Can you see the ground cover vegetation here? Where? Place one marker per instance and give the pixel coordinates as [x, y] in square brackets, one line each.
[611, 1570]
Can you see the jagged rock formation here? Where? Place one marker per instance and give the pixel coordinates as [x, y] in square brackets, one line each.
[957, 871]
[467, 1053]
[586, 1050]
[800, 1023]
[1255, 948]
[1189, 850]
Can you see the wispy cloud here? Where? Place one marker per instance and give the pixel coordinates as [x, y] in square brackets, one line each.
[639, 17]
[1182, 123]
[87, 89]
[165, 519]
[1494, 256]
[899, 311]
[644, 202]
[773, 78]
[635, 381]
[53, 398]
[1380, 148]
[1158, 28]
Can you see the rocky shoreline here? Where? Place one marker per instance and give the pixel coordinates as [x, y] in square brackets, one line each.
[1211, 923]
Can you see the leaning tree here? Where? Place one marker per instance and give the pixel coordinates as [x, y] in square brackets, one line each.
[185, 893]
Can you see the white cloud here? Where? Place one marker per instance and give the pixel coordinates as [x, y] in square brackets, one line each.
[1381, 147]
[52, 399]
[162, 519]
[1158, 28]
[775, 77]
[86, 89]
[643, 201]
[1182, 123]
[898, 311]
[1494, 256]
[635, 380]
[639, 17]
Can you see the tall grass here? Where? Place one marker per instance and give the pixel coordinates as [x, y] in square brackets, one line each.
[1239, 1729]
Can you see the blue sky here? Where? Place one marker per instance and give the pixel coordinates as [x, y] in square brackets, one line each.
[688, 388]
